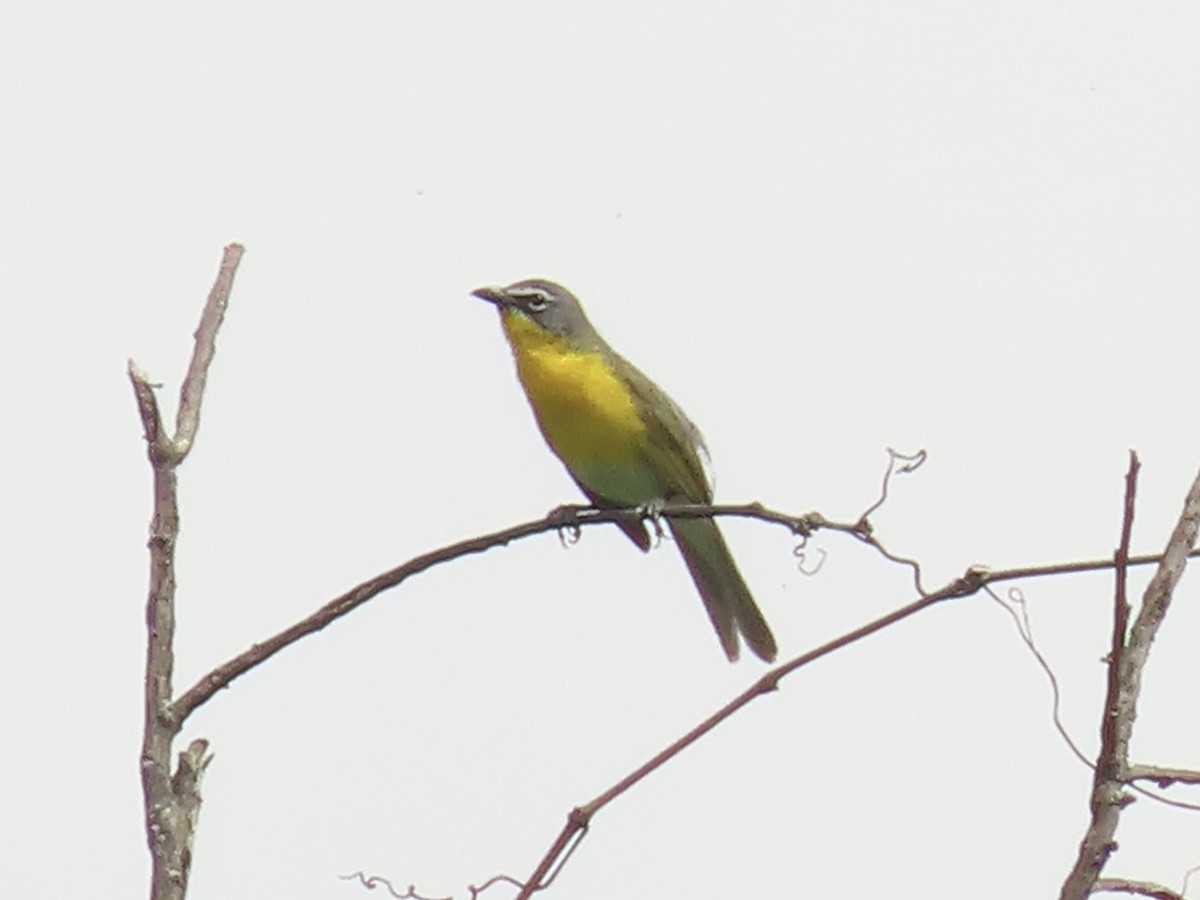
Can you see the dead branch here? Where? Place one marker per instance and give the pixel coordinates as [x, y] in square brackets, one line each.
[1127, 659]
[172, 800]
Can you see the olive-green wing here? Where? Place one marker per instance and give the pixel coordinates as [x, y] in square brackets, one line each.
[675, 446]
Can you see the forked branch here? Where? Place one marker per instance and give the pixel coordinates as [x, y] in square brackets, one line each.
[172, 799]
[1127, 658]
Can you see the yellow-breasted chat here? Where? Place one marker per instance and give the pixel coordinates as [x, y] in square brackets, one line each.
[624, 441]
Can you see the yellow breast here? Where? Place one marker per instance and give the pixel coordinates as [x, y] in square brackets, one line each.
[584, 409]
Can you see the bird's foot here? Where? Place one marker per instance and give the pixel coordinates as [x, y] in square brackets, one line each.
[652, 512]
[566, 519]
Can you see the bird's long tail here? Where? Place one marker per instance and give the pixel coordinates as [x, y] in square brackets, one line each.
[729, 602]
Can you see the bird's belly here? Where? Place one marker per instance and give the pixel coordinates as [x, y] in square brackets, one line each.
[591, 421]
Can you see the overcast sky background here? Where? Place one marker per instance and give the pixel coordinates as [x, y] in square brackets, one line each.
[826, 229]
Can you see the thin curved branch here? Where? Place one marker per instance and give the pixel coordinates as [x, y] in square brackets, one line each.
[564, 518]
[569, 518]
[1015, 606]
[971, 582]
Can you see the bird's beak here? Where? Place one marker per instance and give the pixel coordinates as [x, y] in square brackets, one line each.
[491, 295]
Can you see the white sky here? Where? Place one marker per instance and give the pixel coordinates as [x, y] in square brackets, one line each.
[826, 228]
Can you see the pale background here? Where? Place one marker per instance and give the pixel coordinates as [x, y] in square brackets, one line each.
[826, 228]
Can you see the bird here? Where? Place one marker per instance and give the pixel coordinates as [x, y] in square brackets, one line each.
[625, 443]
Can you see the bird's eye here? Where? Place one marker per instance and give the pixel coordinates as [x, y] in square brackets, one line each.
[536, 301]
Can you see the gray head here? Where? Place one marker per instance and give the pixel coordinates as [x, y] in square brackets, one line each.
[550, 305]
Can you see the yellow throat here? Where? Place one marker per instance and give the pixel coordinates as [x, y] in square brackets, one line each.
[584, 409]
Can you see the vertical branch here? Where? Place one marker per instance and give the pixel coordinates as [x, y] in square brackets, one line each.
[172, 801]
[1131, 650]
[1108, 796]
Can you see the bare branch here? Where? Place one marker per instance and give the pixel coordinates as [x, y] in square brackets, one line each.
[563, 518]
[171, 802]
[580, 817]
[1159, 592]
[1108, 794]
[1126, 661]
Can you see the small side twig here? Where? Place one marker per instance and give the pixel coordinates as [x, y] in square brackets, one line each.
[1138, 888]
[476, 890]
[191, 394]
[898, 464]
[1163, 776]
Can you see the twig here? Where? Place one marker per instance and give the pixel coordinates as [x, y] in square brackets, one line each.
[898, 464]
[1015, 602]
[1141, 888]
[1163, 776]
[191, 394]
[476, 890]
[375, 881]
[172, 801]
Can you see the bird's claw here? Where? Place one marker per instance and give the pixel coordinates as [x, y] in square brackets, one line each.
[652, 512]
[565, 519]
